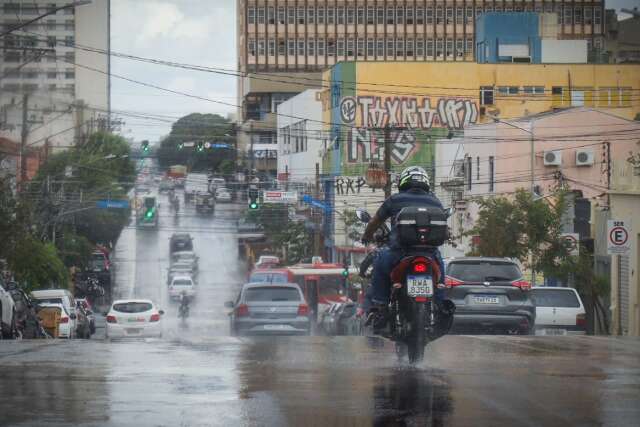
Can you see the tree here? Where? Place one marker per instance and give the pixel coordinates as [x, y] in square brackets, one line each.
[195, 128]
[36, 265]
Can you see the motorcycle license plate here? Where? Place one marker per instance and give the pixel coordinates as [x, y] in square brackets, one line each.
[419, 286]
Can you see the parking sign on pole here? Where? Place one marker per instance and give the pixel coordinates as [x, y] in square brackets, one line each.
[618, 237]
[572, 241]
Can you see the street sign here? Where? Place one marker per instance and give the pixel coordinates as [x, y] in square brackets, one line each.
[112, 204]
[572, 240]
[279, 197]
[618, 233]
[315, 203]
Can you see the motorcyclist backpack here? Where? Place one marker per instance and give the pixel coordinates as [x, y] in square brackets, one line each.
[421, 226]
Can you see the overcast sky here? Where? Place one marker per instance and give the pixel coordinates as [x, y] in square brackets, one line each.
[201, 32]
[198, 32]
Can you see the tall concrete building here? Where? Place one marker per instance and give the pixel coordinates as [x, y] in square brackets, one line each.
[42, 64]
[293, 40]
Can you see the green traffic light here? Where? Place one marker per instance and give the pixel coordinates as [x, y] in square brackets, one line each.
[149, 214]
[253, 205]
[345, 272]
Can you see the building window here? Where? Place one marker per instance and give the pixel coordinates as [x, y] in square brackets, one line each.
[410, 52]
[537, 8]
[399, 15]
[400, 47]
[320, 15]
[272, 47]
[350, 47]
[261, 15]
[69, 25]
[419, 15]
[271, 15]
[420, 48]
[260, 47]
[370, 48]
[311, 47]
[459, 48]
[70, 58]
[291, 47]
[380, 48]
[469, 47]
[331, 47]
[51, 24]
[449, 15]
[508, 90]
[321, 48]
[52, 87]
[597, 16]
[533, 90]
[341, 15]
[557, 95]
[301, 15]
[577, 15]
[439, 15]
[311, 15]
[492, 174]
[331, 16]
[478, 12]
[568, 18]
[409, 15]
[459, 16]
[51, 7]
[351, 15]
[51, 41]
[360, 15]
[390, 49]
[390, 18]
[380, 16]
[360, 48]
[439, 47]
[486, 95]
[69, 74]
[469, 172]
[371, 15]
[281, 47]
[429, 15]
[301, 47]
[281, 15]
[449, 47]
[478, 168]
[588, 11]
[614, 97]
[340, 47]
[548, 8]
[469, 16]
[68, 41]
[291, 15]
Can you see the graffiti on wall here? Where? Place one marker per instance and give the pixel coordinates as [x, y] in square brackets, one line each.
[366, 145]
[409, 112]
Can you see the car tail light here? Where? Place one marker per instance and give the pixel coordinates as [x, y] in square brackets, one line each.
[303, 310]
[154, 318]
[581, 320]
[522, 284]
[64, 320]
[450, 282]
[111, 319]
[242, 310]
[420, 267]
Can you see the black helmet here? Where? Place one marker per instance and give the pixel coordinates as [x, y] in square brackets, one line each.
[414, 177]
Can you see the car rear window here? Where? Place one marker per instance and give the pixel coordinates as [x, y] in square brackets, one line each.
[182, 283]
[132, 307]
[484, 271]
[50, 301]
[272, 293]
[268, 278]
[555, 298]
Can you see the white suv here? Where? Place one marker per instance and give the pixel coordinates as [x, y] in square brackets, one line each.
[559, 311]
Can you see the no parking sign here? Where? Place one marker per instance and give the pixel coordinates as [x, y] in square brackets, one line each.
[618, 237]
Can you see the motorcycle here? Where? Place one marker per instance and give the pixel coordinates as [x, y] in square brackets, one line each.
[414, 315]
[183, 310]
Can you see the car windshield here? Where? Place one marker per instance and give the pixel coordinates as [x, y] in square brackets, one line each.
[268, 278]
[555, 298]
[484, 271]
[132, 307]
[182, 282]
[272, 293]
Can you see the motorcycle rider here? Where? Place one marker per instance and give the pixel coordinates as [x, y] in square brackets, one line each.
[183, 309]
[414, 190]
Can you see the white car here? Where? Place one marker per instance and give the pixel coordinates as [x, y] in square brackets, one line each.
[182, 284]
[223, 195]
[7, 313]
[134, 318]
[58, 296]
[559, 311]
[66, 327]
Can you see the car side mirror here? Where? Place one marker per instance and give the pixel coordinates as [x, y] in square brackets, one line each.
[161, 312]
[229, 304]
[72, 316]
[448, 212]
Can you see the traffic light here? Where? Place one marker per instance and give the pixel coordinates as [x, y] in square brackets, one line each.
[180, 145]
[253, 199]
[150, 212]
[345, 271]
[200, 147]
[145, 146]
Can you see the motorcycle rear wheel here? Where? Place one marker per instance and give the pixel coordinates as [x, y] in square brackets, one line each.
[416, 341]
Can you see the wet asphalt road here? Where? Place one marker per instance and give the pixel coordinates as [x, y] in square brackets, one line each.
[199, 376]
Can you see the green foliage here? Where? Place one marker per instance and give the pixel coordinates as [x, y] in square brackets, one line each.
[36, 265]
[194, 128]
[354, 228]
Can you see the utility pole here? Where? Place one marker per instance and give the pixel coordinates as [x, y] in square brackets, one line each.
[317, 247]
[533, 157]
[23, 139]
[387, 161]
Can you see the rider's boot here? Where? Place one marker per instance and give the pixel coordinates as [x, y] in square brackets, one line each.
[377, 318]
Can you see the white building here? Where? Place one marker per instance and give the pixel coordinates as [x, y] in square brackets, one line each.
[300, 137]
[65, 101]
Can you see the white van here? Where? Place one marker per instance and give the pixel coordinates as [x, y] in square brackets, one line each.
[559, 311]
[59, 296]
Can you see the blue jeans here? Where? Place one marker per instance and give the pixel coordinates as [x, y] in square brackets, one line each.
[380, 289]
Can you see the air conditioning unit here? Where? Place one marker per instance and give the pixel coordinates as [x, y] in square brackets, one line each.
[584, 157]
[553, 158]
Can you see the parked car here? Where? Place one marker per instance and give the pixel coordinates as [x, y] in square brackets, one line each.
[180, 242]
[134, 318]
[27, 319]
[84, 305]
[559, 311]
[58, 296]
[490, 295]
[340, 319]
[223, 195]
[8, 318]
[263, 309]
[67, 326]
[182, 284]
